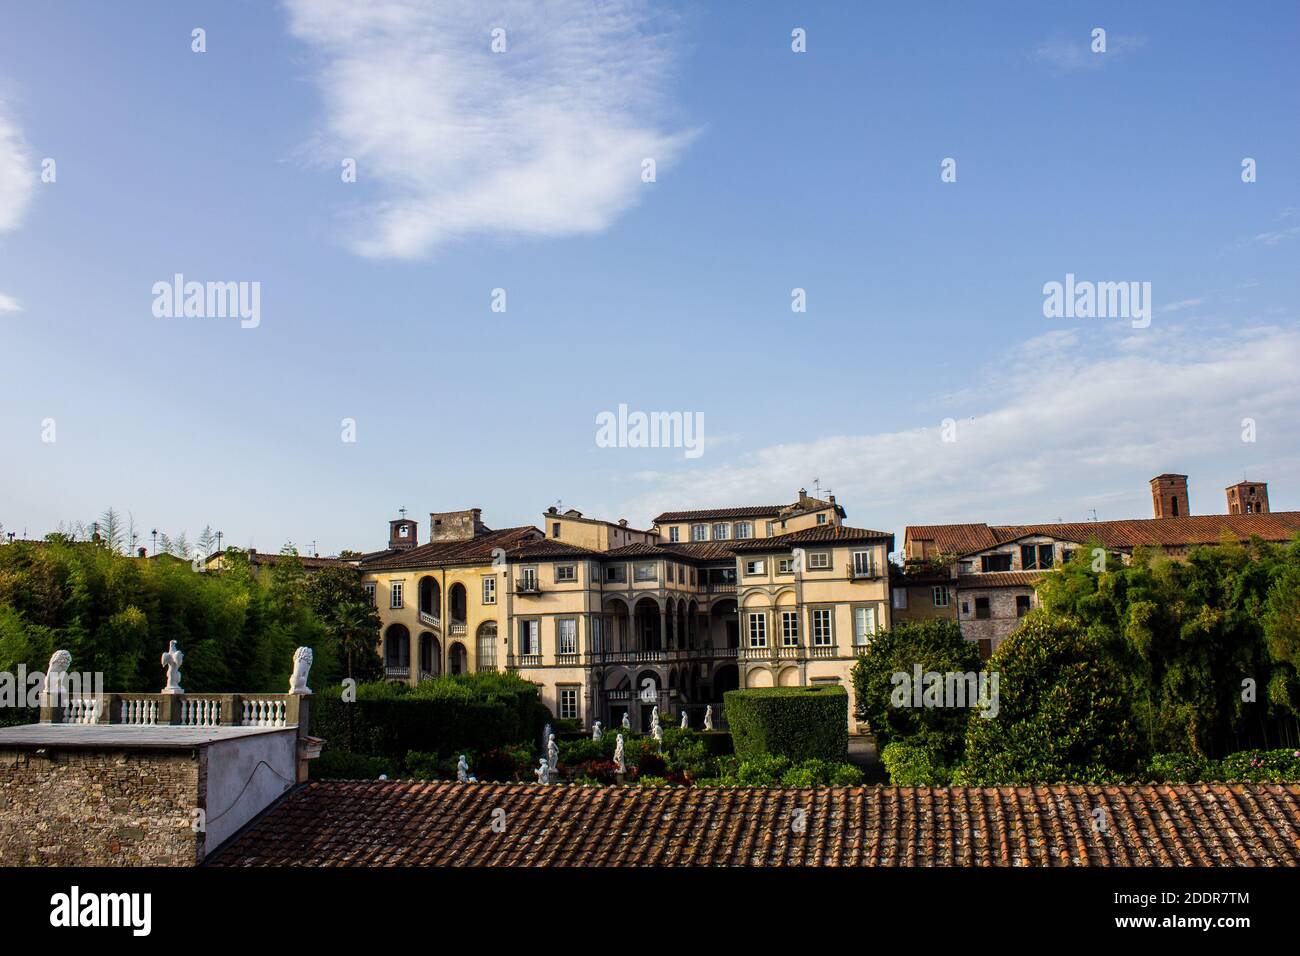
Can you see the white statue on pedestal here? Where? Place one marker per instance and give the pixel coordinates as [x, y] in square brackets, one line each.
[55, 686]
[596, 731]
[546, 734]
[658, 733]
[627, 723]
[462, 770]
[302, 659]
[686, 724]
[172, 659]
[543, 772]
[619, 762]
[654, 717]
[708, 717]
[552, 753]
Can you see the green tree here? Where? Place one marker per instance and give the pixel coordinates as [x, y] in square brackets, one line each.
[1062, 714]
[935, 645]
[338, 599]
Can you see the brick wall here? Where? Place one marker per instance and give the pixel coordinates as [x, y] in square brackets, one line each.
[100, 808]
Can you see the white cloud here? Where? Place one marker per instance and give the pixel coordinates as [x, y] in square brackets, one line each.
[1066, 432]
[546, 139]
[17, 183]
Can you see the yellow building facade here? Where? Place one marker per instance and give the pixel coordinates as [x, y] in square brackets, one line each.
[613, 621]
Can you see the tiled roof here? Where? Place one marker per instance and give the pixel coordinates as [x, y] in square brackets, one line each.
[550, 548]
[821, 534]
[701, 550]
[404, 823]
[952, 538]
[439, 553]
[637, 550]
[962, 539]
[708, 514]
[1000, 579]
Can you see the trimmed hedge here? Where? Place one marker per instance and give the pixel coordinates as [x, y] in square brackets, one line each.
[801, 723]
[444, 721]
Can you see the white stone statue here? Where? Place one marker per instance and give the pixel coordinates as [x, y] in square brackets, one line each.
[552, 753]
[708, 717]
[302, 659]
[686, 724]
[620, 764]
[546, 734]
[462, 770]
[654, 717]
[543, 772]
[55, 685]
[627, 723]
[596, 731]
[172, 659]
[658, 733]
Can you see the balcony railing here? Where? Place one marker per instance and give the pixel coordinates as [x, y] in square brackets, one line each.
[530, 660]
[179, 710]
[566, 659]
[528, 587]
[397, 672]
[430, 620]
[823, 650]
[457, 629]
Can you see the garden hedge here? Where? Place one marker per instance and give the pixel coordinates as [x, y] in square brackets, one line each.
[801, 723]
[393, 726]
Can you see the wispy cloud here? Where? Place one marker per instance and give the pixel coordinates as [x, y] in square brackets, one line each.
[545, 139]
[1077, 54]
[17, 183]
[1181, 305]
[1069, 432]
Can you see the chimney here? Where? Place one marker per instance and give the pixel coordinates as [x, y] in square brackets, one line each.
[622, 522]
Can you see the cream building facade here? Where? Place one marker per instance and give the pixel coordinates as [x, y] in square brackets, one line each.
[611, 620]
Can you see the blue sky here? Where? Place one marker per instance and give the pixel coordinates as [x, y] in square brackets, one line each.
[521, 171]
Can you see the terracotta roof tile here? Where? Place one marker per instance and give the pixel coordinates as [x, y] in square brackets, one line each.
[410, 823]
[1000, 579]
[437, 553]
[963, 539]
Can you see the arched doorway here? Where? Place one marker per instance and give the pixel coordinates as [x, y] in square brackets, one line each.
[430, 597]
[456, 659]
[397, 652]
[649, 634]
[430, 656]
[457, 605]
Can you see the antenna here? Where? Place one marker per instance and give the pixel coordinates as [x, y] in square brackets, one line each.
[817, 487]
[1093, 512]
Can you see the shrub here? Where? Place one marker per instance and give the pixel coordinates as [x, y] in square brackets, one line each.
[821, 773]
[936, 646]
[1062, 713]
[1258, 766]
[798, 723]
[764, 770]
[913, 766]
[342, 765]
[447, 715]
[1175, 768]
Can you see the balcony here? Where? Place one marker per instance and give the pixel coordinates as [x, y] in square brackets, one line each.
[528, 586]
[864, 574]
[567, 660]
[823, 650]
[722, 587]
[457, 629]
[530, 660]
[430, 620]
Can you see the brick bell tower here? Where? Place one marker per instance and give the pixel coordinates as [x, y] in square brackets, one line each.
[402, 532]
[1248, 498]
[1169, 496]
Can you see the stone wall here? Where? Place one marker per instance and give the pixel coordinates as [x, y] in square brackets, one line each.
[100, 808]
[1002, 619]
